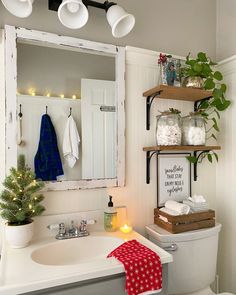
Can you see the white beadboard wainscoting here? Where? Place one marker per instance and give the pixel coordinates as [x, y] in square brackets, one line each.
[225, 183]
[139, 197]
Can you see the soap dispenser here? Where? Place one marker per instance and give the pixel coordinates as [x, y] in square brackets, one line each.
[110, 217]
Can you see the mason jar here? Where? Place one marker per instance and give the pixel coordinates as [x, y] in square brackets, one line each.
[168, 129]
[194, 130]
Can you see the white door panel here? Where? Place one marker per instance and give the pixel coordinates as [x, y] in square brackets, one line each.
[98, 129]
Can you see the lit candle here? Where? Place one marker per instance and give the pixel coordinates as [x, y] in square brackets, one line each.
[126, 229]
[74, 96]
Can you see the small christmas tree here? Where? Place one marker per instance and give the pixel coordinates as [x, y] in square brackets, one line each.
[20, 200]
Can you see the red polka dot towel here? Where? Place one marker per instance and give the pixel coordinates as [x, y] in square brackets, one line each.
[142, 267]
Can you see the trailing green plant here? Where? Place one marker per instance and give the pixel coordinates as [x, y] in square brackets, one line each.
[20, 200]
[210, 108]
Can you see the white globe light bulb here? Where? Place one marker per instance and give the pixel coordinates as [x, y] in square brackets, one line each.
[73, 7]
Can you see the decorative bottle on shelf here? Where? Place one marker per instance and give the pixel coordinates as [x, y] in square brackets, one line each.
[168, 128]
[110, 217]
[194, 129]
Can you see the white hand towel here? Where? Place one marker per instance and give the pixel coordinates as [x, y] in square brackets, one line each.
[197, 199]
[196, 205]
[71, 142]
[169, 211]
[178, 207]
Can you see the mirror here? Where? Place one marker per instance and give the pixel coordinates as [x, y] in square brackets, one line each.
[76, 93]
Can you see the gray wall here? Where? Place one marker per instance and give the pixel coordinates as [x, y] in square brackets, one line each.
[226, 22]
[59, 71]
[175, 26]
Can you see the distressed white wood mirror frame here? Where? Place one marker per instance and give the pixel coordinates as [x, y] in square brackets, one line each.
[16, 34]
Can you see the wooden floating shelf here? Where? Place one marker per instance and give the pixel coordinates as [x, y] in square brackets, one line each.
[179, 93]
[181, 148]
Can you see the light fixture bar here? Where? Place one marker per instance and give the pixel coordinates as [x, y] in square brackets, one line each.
[54, 4]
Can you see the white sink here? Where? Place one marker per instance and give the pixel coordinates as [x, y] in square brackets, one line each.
[74, 251]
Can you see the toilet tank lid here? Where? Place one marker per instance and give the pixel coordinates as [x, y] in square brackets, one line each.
[164, 236]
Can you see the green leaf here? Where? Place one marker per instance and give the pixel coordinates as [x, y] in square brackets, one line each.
[218, 76]
[217, 113]
[207, 71]
[197, 67]
[213, 135]
[223, 87]
[216, 156]
[191, 62]
[203, 105]
[223, 105]
[209, 84]
[212, 63]
[209, 156]
[202, 57]
[215, 126]
[192, 159]
[217, 93]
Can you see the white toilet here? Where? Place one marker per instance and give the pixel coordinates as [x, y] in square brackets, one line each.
[195, 256]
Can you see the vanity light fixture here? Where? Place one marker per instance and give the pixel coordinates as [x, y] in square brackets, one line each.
[74, 14]
[19, 8]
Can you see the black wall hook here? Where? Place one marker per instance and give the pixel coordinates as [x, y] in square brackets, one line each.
[70, 113]
[46, 110]
[20, 113]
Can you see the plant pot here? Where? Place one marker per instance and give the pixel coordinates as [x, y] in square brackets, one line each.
[19, 236]
[194, 82]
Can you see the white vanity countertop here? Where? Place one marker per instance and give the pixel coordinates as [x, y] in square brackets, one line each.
[20, 274]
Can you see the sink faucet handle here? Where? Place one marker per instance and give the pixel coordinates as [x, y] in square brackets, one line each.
[62, 228]
[91, 221]
[73, 229]
[53, 226]
[84, 223]
[72, 224]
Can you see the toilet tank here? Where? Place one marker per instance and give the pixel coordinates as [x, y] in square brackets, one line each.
[194, 254]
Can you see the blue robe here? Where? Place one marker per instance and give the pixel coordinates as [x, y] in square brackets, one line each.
[47, 161]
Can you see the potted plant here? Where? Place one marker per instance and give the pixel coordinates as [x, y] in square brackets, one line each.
[201, 68]
[19, 203]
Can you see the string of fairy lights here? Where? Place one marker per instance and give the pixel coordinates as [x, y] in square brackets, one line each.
[33, 183]
[33, 92]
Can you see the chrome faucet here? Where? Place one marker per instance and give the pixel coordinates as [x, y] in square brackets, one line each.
[72, 231]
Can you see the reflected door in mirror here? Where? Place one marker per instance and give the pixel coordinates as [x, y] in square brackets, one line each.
[98, 115]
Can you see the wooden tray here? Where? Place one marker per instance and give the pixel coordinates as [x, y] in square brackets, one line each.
[183, 223]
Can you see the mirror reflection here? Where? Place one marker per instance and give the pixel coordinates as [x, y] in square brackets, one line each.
[67, 113]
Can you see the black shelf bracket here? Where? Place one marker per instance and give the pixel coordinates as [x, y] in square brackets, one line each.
[149, 155]
[195, 153]
[196, 103]
[149, 102]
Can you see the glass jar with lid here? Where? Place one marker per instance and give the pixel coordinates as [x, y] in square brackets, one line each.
[194, 129]
[168, 128]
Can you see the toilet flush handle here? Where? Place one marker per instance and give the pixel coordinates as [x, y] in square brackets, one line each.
[172, 248]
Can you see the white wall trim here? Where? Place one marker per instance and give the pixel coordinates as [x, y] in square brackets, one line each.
[2, 106]
[228, 66]
[144, 57]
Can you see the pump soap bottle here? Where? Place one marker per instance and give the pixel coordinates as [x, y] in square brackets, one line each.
[110, 217]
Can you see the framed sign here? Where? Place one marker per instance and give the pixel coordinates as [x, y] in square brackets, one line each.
[173, 177]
